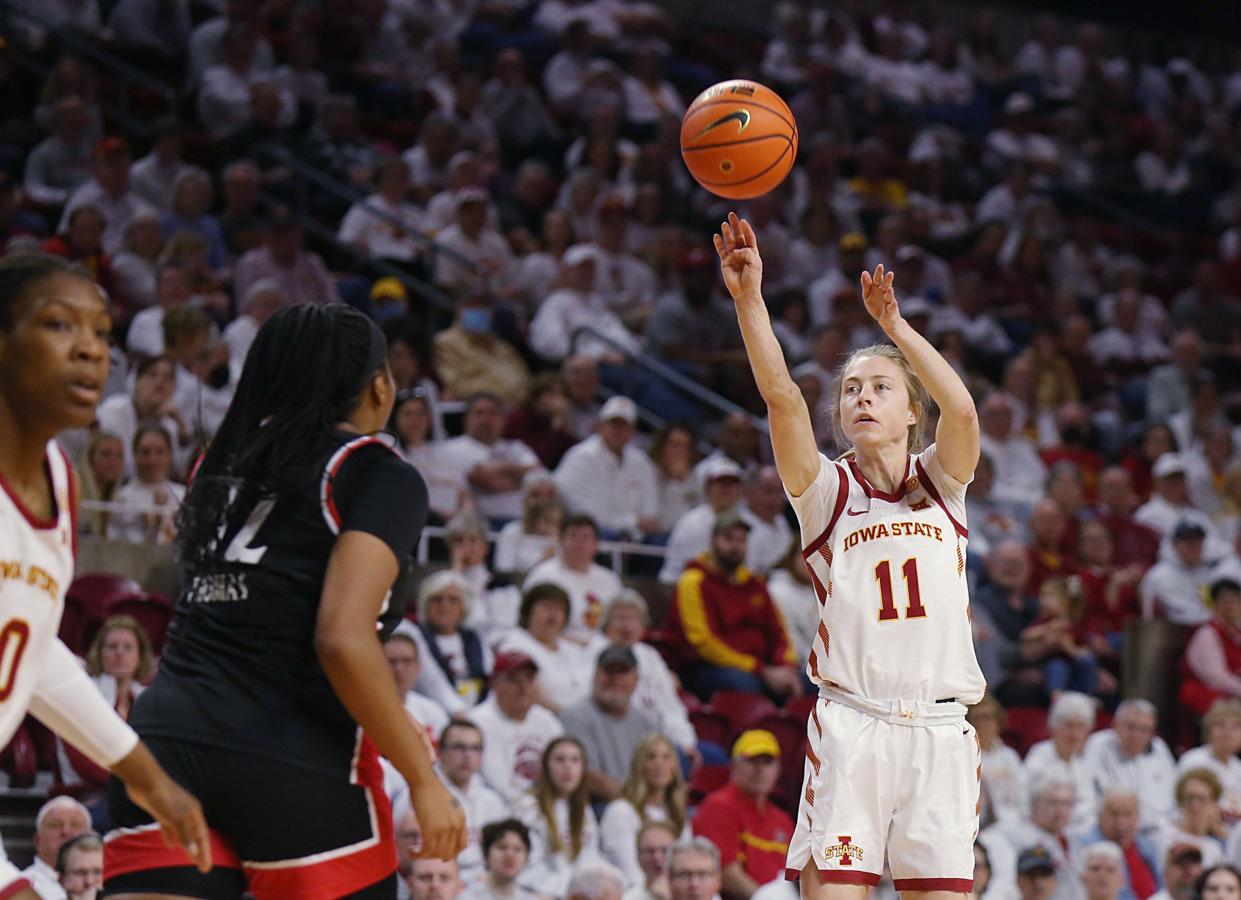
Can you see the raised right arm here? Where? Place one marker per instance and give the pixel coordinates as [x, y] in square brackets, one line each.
[792, 433]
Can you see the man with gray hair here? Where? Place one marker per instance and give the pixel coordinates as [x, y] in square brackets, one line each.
[263, 298]
[1070, 721]
[596, 881]
[1118, 825]
[1052, 798]
[1102, 870]
[694, 870]
[1130, 755]
[59, 820]
[80, 865]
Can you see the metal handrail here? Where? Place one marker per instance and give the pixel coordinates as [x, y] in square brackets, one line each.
[673, 377]
[128, 74]
[287, 159]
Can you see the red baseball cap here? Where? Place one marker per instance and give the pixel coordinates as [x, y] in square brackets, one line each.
[507, 662]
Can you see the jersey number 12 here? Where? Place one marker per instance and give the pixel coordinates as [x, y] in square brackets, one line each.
[887, 608]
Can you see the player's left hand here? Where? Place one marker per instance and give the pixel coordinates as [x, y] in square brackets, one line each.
[879, 297]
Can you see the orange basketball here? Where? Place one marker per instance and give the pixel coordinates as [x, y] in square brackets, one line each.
[738, 139]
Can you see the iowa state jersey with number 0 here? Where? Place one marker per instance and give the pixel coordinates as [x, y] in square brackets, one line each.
[889, 573]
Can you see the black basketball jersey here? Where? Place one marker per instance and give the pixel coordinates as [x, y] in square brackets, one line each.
[240, 670]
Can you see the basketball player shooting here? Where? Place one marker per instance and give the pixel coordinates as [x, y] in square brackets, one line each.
[892, 764]
[54, 329]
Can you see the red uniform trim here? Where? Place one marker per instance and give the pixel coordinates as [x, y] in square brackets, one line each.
[342, 875]
[842, 497]
[331, 475]
[874, 492]
[836, 876]
[959, 885]
[13, 888]
[934, 495]
[33, 520]
[71, 482]
[126, 851]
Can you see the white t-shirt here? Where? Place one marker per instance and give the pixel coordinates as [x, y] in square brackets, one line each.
[615, 491]
[565, 674]
[117, 416]
[482, 806]
[427, 712]
[550, 872]
[513, 750]
[517, 551]
[619, 841]
[589, 592]
[1004, 780]
[1150, 775]
[142, 499]
[467, 453]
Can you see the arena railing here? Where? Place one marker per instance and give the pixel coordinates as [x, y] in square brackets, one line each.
[126, 75]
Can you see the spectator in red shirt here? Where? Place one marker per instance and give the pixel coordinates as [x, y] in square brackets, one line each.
[725, 615]
[1048, 534]
[1133, 542]
[1109, 592]
[82, 242]
[751, 833]
[1212, 665]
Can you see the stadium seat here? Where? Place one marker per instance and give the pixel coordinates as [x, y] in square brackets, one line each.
[152, 611]
[704, 780]
[741, 707]
[790, 735]
[711, 726]
[799, 707]
[1027, 725]
[19, 760]
[688, 700]
[86, 602]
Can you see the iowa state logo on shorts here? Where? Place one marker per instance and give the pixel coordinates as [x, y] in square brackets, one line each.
[846, 851]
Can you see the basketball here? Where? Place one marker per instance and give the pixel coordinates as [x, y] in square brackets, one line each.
[738, 139]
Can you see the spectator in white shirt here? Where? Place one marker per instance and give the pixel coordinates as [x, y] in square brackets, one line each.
[145, 336]
[770, 534]
[1222, 727]
[566, 73]
[649, 97]
[1197, 819]
[1017, 140]
[1130, 756]
[226, 98]
[148, 504]
[515, 729]
[652, 845]
[150, 402]
[1070, 721]
[58, 821]
[565, 666]
[109, 192]
[493, 467]
[456, 658]
[402, 653]
[1175, 587]
[677, 487]
[1170, 502]
[1124, 346]
[524, 543]
[152, 176]
[506, 848]
[385, 225]
[576, 305]
[207, 41]
[460, 762]
[1019, 471]
[261, 301]
[1045, 834]
[134, 268]
[691, 535]
[609, 479]
[61, 162]
[480, 256]
[589, 585]
[653, 791]
[1003, 779]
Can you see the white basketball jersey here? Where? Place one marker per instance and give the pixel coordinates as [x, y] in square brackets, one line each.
[889, 573]
[36, 566]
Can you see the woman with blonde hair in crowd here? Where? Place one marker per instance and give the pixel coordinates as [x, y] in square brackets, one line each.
[654, 791]
[1003, 781]
[524, 543]
[100, 471]
[564, 833]
[1198, 820]
[1221, 731]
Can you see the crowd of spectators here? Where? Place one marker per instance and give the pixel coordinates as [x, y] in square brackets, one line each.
[1059, 201]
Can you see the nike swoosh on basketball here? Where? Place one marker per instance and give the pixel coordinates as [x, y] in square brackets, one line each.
[741, 116]
[857, 512]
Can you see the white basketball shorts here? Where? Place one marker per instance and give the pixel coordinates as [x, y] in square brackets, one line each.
[901, 777]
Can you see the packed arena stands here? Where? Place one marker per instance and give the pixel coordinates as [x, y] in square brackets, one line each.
[611, 555]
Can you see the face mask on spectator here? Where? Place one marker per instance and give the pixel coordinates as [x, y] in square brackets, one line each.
[476, 320]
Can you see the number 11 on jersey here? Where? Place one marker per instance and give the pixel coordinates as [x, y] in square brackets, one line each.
[887, 608]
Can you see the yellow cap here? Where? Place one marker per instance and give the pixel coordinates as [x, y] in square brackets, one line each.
[853, 241]
[756, 742]
[389, 288]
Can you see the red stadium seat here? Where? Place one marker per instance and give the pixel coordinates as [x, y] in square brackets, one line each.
[711, 726]
[706, 779]
[741, 707]
[152, 611]
[1027, 725]
[790, 735]
[688, 700]
[799, 707]
[19, 760]
[86, 603]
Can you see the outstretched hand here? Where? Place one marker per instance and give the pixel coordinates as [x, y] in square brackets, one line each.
[879, 297]
[740, 262]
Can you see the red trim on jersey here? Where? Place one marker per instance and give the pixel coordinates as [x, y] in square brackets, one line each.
[342, 875]
[934, 495]
[842, 497]
[873, 492]
[331, 476]
[819, 590]
[198, 464]
[13, 888]
[71, 481]
[33, 520]
[137, 851]
[814, 714]
[958, 885]
[836, 876]
[814, 664]
[814, 762]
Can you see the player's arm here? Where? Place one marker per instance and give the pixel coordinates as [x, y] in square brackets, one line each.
[792, 434]
[956, 436]
[360, 571]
